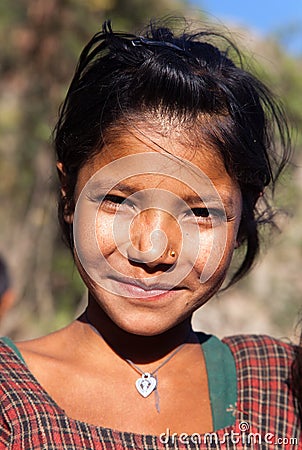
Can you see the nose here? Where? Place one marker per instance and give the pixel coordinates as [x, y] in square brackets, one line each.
[155, 238]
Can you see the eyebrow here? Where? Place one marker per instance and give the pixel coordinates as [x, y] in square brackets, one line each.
[105, 187]
[191, 199]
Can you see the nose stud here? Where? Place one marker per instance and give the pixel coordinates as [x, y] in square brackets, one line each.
[172, 253]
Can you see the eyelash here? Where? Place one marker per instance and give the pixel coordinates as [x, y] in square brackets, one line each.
[207, 215]
[115, 201]
[202, 214]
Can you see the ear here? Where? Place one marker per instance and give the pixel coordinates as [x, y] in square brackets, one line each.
[67, 209]
[61, 172]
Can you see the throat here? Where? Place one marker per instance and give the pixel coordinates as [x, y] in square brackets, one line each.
[138, 349]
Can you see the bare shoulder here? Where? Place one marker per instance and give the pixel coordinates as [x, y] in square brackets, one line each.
[56, 361]
[54, 347]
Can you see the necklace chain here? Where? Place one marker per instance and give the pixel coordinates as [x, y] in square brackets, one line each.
[134, 366]
[148, 382]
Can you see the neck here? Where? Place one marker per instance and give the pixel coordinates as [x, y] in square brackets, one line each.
[137, 348]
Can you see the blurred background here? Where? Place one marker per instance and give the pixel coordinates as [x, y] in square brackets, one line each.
[40, 44]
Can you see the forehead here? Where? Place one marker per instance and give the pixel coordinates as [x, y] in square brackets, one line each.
[177, 156]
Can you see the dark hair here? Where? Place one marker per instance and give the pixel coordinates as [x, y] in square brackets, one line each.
[4, 278]
[183, 76]
[297, 377]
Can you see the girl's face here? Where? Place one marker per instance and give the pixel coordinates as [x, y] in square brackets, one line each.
[155, 227]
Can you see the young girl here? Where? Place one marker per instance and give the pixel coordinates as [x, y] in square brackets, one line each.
[164, 148]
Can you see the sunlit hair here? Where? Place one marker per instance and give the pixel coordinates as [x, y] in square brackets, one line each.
[183, 76]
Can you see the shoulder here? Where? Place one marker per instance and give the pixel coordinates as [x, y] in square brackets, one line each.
[21, 394]
[56, 346]
[20, 361]
[14, 374]
[260, 347]
[264, 382]
[262, 358]
[15, 380]
[10, 357]
[23, 402]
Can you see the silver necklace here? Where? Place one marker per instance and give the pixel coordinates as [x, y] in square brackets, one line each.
[147, 383]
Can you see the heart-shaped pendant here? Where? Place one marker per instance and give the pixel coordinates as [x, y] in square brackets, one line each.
[146, 384]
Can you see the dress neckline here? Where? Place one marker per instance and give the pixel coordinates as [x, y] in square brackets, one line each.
[222, 383]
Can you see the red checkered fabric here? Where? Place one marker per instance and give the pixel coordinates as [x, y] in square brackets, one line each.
[265, 414]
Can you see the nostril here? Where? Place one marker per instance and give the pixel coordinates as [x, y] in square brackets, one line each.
[155, 269]
[148, 248]
[162, 262]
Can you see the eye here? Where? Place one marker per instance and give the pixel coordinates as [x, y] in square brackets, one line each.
[208, 216]
[115, 199]
[115, 202]
[201, 212]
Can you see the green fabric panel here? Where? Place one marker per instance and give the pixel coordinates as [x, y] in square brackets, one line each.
[222, 379]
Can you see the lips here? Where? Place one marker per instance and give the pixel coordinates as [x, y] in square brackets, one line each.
[137, 289]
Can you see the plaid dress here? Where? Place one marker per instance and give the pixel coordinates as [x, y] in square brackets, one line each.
[265, 415]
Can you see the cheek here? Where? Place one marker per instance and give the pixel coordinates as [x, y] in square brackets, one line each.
[104, 234]
[215, 251]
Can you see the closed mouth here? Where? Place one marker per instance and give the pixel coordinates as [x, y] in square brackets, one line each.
[136, 288]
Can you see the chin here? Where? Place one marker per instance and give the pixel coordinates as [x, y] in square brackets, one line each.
[144, 329]
[148, 326]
